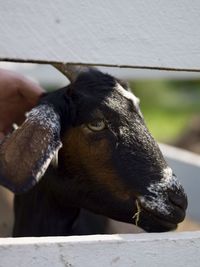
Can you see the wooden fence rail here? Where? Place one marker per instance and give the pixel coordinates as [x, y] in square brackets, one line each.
[178, 250]
[146, 34]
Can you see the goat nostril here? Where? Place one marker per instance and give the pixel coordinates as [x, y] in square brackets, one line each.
[178, 199]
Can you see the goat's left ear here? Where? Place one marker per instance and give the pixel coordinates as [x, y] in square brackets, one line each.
[28, 151]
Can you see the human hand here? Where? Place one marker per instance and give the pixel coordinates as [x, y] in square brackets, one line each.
[17, 96]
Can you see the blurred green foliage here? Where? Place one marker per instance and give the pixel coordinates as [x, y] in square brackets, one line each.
[167, 105]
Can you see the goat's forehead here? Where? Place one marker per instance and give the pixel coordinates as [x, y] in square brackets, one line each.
[120, 98]
[127, 94]
[109, 101]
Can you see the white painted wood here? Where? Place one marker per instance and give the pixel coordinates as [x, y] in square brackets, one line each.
[128, 33]
[173, 249]
[181, 155]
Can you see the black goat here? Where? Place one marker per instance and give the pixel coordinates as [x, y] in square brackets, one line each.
[109, 163]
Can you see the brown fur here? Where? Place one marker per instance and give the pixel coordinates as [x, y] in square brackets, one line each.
[80, 150]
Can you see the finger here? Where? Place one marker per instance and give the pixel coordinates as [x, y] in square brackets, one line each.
[30, 91]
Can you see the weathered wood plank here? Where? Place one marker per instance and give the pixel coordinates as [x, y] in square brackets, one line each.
[160, 34]
[174, 249]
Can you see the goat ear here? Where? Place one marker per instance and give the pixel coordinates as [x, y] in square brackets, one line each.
[28, 151]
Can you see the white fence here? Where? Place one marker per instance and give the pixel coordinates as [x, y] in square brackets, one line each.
[145, 34]
[141, 250]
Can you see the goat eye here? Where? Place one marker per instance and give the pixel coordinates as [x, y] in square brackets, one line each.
[96, 125]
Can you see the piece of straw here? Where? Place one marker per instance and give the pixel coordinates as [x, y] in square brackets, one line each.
[136, 216]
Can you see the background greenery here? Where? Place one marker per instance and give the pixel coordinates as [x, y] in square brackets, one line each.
[168, 105]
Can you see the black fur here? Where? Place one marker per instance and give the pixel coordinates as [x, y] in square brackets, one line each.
[62, 104]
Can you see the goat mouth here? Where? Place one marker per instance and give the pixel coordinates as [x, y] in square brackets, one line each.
[162, 221]
[152, 221]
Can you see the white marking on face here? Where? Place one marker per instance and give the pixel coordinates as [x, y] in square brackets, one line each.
[130, 96]
[158, 199]
[168, 181]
